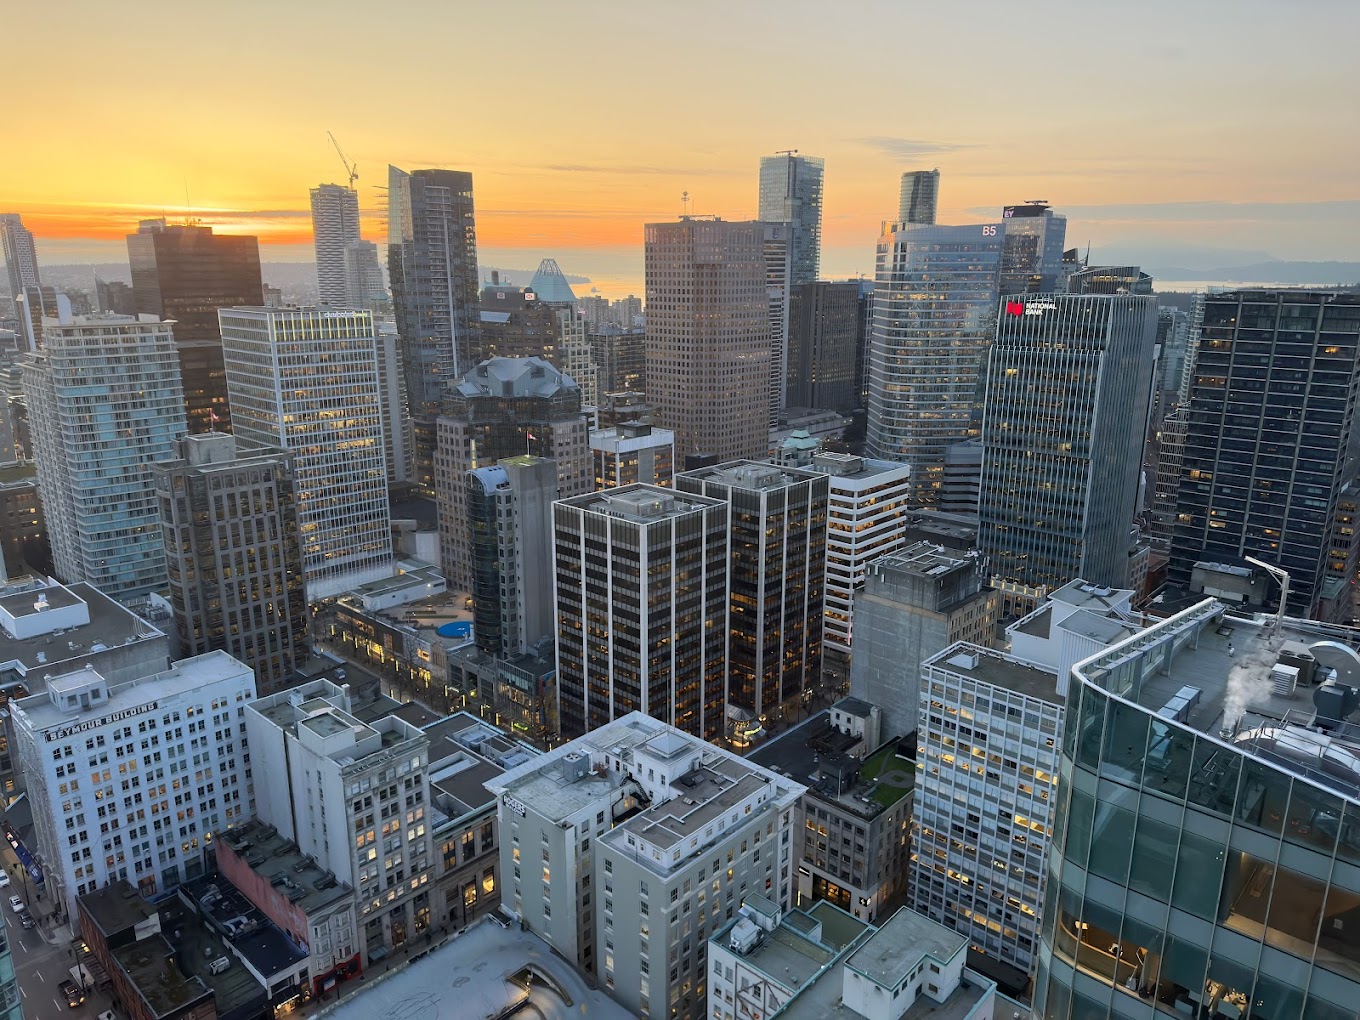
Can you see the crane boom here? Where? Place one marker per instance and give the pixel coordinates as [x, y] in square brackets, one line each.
[350, 168]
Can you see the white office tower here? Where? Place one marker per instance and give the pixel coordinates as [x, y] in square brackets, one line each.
[632, 452]
[627, 848]
[135, 780]
[306, 380]
[335, 225]
[104, 401]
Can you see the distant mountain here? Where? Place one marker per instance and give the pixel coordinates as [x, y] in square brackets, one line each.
[1307, 273]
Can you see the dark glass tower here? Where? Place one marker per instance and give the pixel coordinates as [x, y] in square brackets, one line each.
[1032, 254]
[184, 273]
[823, 329]
[1271, 444]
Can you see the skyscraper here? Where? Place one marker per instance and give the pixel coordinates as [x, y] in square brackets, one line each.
[21, 256]
[364, 285]
[708, 335]
[1271, 443]
[640, 590]
[104, 403]
[934, 313]
[777, 580]
[920, 198]
[823, 328]
[335, 225]
[778, 269]
[183, 274]
[504, 407]
[231, 545]
[305, 380]
[1064, 415]
[1032, 249]
[791, 192]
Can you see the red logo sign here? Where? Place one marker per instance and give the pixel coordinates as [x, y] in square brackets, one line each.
[1015, 308]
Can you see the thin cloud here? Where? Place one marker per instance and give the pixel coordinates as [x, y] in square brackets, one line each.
[663, 171]
[910, 148]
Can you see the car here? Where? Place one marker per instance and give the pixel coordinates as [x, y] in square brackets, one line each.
[84, 947]
[4, 879]
[74, 996]
[26, 919]
[17, 905]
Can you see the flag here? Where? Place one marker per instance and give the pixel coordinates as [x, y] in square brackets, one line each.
[533, 437]
[213, 415]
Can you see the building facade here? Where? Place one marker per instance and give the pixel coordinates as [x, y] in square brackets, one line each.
[229, 526]
[305, 380]
[1068, 384]
[920, 197]
[630, 453]
[934, 313]
[1271, 441]
[335, 224]
[505, 407]
[23, 530]
[791, 192]
[94, 445]
[640, 594]
[708, 335]
[182, 274]
[134, 780]
[1032, 252]
[823, 328]
[21, 255]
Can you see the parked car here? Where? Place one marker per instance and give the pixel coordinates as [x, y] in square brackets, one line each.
[4, 879]
[26, 919]
[74, 996]
[16, 905]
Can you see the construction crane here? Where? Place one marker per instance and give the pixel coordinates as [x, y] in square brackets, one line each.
[350, 168]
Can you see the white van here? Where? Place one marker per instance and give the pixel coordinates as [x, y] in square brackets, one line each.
[219, 965]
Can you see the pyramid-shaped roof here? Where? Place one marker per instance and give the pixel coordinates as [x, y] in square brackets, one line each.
[550, 285]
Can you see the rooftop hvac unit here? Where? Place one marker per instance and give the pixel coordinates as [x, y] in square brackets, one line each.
[1284, 680]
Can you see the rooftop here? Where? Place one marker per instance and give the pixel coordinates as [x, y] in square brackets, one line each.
[814, 754]
[642, 503]
[786, 955]
[513, 377]
[480, 975]
[927, 560]
[751, 475]
[270, 856]
[116, 907]
[110, 625]
[699, 798]
[822, 1001]
[997, 669]
[1083, 595]
[150, 967]
[904, 940]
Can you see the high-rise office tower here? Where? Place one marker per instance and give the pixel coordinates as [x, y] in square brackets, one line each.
[632, 452]
[183, 274]
[823, 327]
[1064, 416]
[1204, 859]
[1270, 443]
[708, 335]
[398, 442]
[777, 580]
[509, 507]
[620, 357]
[21, 256]
[791, 192]
[104, 403]
[230, 531]
[1032, 249]
[920, 199]
[934, 313]
[505, 407]
[778, 269]
[516, 324]
[640, 590]
[335, 224]
[575, 354]
[305, 380]
[1108, 280]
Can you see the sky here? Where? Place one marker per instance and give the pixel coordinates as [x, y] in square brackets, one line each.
[1217, 131]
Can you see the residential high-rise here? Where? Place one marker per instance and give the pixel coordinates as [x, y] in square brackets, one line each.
[509, 509]
[934, 313]
[231, 547]
[305, 380]
[1065, 411]
[505, 407]
[632, 452]
[335, 225]
[640, 828]
[21, 256]
[791, 192]
[640, 591]
[398, 442]
[80, 739]
[1204, 857]
[364, 287]
[920, 199]
[1271, 443]
[823, 327]
[777, 581]
[23, 532]
[182, 274]
[1032, 250]
[708, 335]
[94, 445]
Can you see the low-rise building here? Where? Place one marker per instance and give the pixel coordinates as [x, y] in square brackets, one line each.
[627, 847]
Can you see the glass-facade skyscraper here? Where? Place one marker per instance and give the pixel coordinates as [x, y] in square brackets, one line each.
[1032, 254]
[1066, 398]
[1271, 442]
[920, 199]
[21, 256]
[934, 313]
[791, 192]
[1205, 859]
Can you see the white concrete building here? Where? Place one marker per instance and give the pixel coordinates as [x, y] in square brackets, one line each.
[306, 380]
[632, 452]
[335, 223]
[135, 780]
[374, 778]
[626, 848]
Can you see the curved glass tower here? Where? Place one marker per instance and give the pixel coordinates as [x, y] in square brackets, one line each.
[1206, 859]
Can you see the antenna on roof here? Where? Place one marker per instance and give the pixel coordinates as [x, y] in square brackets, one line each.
[684, 203]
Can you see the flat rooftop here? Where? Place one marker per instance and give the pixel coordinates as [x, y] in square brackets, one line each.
[479, 975]
[1082, 595]
[752, 475]
[110, 625]
[784, 955]
[642, 503]
[463, 730]
[822, 1001]
[116, 907]
[998, 670]
[717, 786]
[458, 784]
[271, 856]
[927, 560]
[150, 967]
[903, 941]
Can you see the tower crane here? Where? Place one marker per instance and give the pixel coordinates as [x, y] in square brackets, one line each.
[350, 168]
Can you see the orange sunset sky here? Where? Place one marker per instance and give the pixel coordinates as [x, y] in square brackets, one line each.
[1231, 129]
